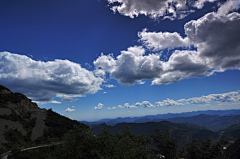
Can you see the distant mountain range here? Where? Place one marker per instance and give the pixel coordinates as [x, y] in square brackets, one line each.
[214, 124]
[211, 119]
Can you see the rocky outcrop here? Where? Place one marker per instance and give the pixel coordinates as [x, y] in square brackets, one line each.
[38, 130]
[7, 125]
[23, 123]
[19, 113]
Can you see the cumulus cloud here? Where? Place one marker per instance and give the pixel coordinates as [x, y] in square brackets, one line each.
[217, 44]
[138, 104]
[120, 106]
[230, 97]
[229, 6]
[69, 110]
[156, 8]
[162, 40]
[126, 105]
[216, 40]
[167, 102]
[131, 66]
[216, 49]
[225, 97]
[99, 106]
[104, 63]
[181, 65]
[200, 3]
[42, 81]
[147, 104]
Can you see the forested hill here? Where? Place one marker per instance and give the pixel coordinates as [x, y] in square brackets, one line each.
[23, 123]
[186, 131]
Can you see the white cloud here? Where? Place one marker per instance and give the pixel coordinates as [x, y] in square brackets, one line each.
[104, 63]
[42, 81]
[216, 40]
[147, 104]
[141, 82]
[213, 36]
[132, 8]
[55, 102]
[162, 40]
[131, 66]
[156, 8]
[200, 3]
[69, 110]
[229, 6]
[167, 102]
[126, 105]
[73, 106]
[104, 92]
[217, 44]
[230, 98]
[99, 106]
[181, 65]
[138, 104]
[109, 85]
[120, 106]
[99, 72]
[225, 97]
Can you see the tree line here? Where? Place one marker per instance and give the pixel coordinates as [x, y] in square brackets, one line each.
[81, 143]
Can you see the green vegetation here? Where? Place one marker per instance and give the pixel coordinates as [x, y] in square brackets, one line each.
[2, 150]
[233, 151]
[164, 144]
[27, 122]
[205, 149]
[16, 139]
[12, 97]
[81, 143]
[59, 125]
[40, 153]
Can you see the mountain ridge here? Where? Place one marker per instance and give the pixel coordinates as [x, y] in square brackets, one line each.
[187, 117]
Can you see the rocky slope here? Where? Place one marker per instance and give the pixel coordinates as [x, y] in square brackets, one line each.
[23, 123]
[17, 112]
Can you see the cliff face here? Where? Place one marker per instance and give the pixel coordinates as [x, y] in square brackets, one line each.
[19, 115]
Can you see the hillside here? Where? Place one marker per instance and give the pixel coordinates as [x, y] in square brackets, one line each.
[186, 131]
[233, 151]
[23, 123]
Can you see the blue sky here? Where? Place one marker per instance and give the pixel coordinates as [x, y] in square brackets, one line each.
[94, 59]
